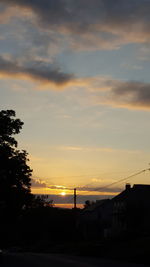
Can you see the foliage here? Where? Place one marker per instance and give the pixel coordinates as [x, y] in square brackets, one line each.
[88, 203]
[15, 174]
[42, 201]
[8, 127]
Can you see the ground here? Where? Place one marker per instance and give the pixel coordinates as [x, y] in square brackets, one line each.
[57, 260]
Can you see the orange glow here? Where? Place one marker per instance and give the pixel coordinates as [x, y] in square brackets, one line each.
[63, 193]
[49, 191]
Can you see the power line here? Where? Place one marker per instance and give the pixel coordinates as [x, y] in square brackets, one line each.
[104, 187]
[114, 183]
[121, 180]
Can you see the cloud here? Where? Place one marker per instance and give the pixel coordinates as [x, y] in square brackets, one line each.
[95, 24]
[94, 149]
[35, 70]
[101, 90]
[37, 183]
[132, 95]
[80, 190]
[116, 93]
[102, 189]
[58, 187]
[70, 148]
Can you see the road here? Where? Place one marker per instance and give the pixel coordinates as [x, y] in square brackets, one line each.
[56, 260]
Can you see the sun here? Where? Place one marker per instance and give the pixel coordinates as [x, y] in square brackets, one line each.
[63, 193]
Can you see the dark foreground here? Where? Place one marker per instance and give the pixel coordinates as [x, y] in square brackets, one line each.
[56, 260]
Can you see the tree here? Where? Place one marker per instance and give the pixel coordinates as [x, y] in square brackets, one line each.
[88, 203]
[15, 174]
[42, 202]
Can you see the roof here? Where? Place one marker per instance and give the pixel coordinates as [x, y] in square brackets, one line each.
[138, 191]
[95, 205]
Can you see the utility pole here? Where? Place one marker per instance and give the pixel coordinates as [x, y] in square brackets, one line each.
[75, 198]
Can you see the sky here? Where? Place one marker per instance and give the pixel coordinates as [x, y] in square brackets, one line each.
[77, 74]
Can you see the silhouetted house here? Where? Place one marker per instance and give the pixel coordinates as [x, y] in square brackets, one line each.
[131, 210]
[95, 221]
[128, 213]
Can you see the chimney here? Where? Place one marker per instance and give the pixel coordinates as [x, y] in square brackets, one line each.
[128, 187]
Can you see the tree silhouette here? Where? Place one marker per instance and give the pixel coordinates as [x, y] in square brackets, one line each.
[42, 202]
[15, 174]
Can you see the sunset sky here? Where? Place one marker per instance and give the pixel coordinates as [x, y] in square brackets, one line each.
[77, 73]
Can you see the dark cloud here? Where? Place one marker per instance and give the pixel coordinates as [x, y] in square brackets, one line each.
[86, 188]
[99, 189]
[83, 13]
[117, 21]
[38, 183]
[117, 93]
[131, 94]
[36, 70]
